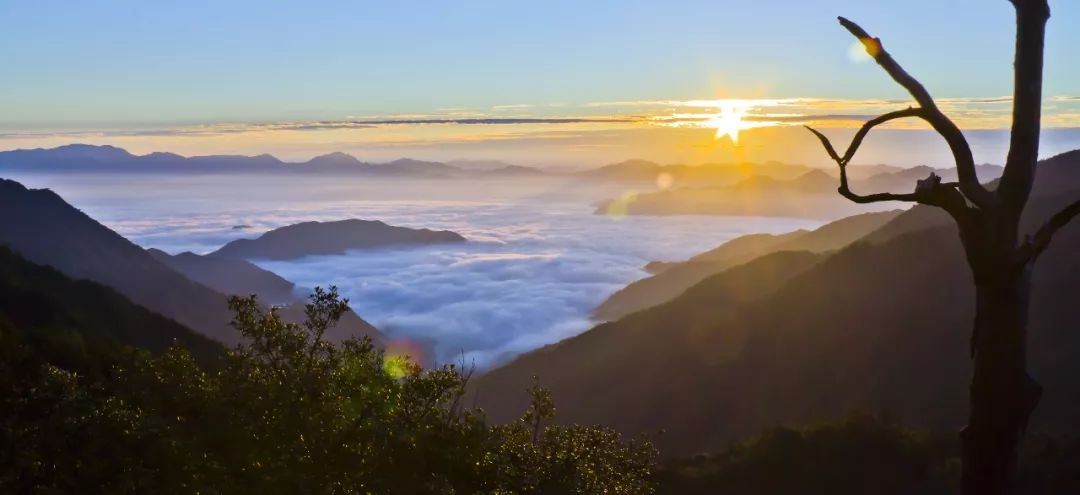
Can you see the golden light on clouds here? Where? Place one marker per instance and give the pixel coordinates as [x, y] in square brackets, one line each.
[697, 131]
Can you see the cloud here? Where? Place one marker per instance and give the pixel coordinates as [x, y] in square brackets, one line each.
[969, 112]
[519, 106]
[530, 275]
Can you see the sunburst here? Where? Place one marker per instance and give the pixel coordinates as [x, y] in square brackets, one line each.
[728, 122]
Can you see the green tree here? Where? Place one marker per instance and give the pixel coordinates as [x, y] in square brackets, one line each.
[290, 412]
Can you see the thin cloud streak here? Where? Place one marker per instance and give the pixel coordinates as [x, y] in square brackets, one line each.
[970, 113]
[664, 130]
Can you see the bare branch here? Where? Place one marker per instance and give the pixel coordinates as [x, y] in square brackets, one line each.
[844, 189]
[1019, 174]
[965, 162]
[1036, 244]
[842, 161]
[872, 123]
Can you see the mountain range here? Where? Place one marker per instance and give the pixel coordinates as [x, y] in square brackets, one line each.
[231, 276]
[641, 174]
[671, 279]
[784, 330]
[796, 337]
[75, 322]
[43, 228]
[92, 158]
[810, 194]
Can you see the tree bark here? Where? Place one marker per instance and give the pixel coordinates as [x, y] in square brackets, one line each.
[1003, 395]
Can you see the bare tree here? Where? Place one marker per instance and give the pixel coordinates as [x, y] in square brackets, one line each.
[1003, 394]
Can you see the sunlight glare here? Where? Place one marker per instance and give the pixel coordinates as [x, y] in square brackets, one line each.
[857, 52]
[401, 358]
[620, 207]
[728, 122]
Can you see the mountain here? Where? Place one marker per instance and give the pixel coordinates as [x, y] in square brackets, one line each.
[336, 161]
[241, 277]
[480, 165]
[903, 180]
[230, 276]
[860, 172]
[664, 355]
[677, 277]
[629, 170]
[876, 326]
[317, 238]
[710, 174]
[90, 158]
[515, 171]
[68, 157]
[812, 195]
[233, 163]
[44, 229]
[77, 317]
[408, 166]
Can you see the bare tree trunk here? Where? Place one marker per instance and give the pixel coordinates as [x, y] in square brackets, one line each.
[1003, 395]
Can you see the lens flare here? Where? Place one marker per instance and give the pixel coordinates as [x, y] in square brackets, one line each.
[664, 181]
[620, 206]
[857, 52]
[401, 357]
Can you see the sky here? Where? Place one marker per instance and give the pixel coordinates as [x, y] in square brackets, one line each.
[532, 82]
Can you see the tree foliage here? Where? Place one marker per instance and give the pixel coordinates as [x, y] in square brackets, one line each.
[859, 455]
[288, 412]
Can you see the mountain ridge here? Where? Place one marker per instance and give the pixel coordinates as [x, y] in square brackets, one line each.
[46, 230]
[878, 326]
[333, 237]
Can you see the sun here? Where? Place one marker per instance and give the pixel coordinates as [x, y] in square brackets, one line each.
[728, 122]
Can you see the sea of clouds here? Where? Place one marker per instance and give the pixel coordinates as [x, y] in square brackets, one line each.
[536, 265]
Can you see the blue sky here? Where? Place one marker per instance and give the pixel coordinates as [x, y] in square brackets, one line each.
[83, 66]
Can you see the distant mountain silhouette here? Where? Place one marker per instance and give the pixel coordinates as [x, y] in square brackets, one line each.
[418, 167]
[875, 326]
[675, 278]
[480, 165]
[91, 158]
[516, 171]
[44, 229]
[230, 276]
[644, 171]
[810, 195]
[81, 314]
[337, 161]
[860, 172]
[902, 180]
[315, 238]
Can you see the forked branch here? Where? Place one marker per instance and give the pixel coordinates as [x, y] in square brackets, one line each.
[1036, 244]
[961, 151]
[928, 191]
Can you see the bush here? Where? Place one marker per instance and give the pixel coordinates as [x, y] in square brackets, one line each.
[289, 412]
